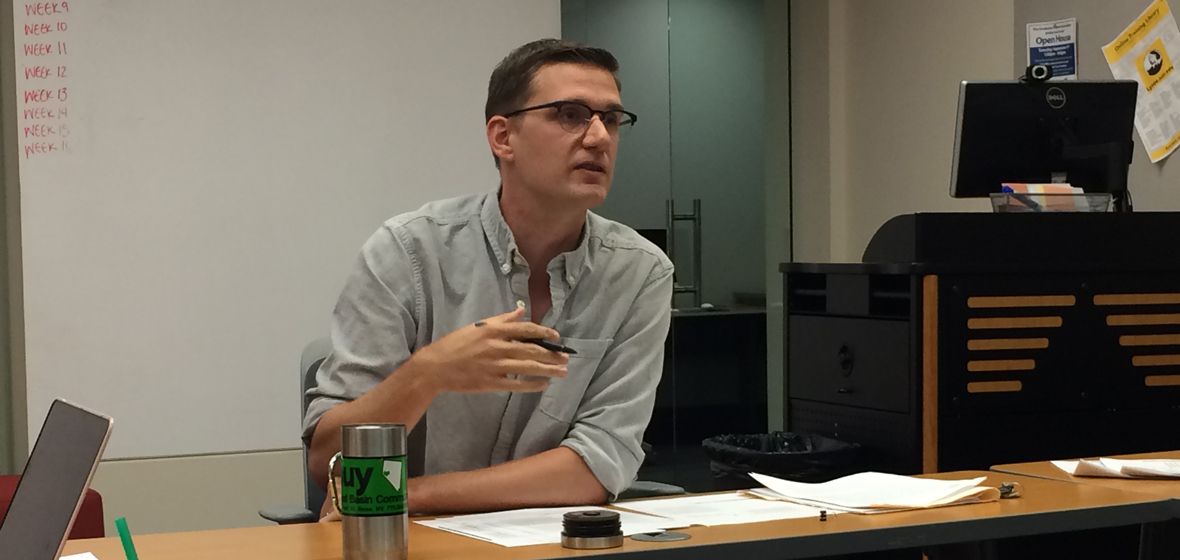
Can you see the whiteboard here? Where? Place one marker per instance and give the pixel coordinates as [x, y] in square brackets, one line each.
[219, 164]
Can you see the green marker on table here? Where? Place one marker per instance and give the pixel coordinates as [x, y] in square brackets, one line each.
[125, 536]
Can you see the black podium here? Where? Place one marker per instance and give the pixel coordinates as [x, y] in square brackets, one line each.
[968, 340]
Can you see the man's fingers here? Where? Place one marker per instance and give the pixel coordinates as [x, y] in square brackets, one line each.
[524, 330]
[523, 384]
[520, 350]
[529, 367]
[509, 317]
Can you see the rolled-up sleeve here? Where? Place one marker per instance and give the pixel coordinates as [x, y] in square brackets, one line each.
[608, 426]
[373, 326]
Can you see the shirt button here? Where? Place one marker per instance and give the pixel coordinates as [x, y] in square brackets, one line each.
[506, 268]
[570, 278]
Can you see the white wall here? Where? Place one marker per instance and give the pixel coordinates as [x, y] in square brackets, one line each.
[229, 158]
[197, 493]
[874, 92]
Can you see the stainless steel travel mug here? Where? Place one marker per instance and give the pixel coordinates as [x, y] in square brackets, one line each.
[371, 495]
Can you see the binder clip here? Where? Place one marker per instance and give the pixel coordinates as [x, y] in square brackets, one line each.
[1010, 490]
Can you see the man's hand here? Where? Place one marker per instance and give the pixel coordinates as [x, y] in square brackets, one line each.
[473, 359]
[328, 512]
[488, 356]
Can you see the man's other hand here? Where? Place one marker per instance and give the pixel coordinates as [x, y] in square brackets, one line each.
[492, 355]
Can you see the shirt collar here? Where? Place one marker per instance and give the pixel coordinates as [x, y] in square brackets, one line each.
[568, 265]
[496, 229]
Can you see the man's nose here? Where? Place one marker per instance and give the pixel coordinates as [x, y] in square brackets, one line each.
[596, 132]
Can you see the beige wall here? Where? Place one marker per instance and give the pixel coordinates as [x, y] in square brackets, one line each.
[810, 131]
[874, 92]
[201, 492]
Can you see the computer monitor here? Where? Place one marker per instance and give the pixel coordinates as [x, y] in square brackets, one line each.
[1077, 132]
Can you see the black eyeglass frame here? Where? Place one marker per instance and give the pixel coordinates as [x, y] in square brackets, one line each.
[560, 102]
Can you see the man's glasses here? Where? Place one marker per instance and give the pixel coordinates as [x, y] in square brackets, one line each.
[575, 116]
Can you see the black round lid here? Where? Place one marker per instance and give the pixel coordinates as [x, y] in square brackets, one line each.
[591, 523]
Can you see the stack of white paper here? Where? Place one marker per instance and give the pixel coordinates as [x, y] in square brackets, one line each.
[1122, 468]
[719, 509]
[874, 492]
[524, 527]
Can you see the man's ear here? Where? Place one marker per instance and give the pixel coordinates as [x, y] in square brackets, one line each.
[500, 138]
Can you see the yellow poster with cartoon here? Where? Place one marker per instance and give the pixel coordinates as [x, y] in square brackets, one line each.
[1154, 65]
[1143, 52]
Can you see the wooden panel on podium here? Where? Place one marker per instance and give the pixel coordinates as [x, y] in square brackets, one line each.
[930, 373]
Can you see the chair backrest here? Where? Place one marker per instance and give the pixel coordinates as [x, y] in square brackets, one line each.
[88, 523]
[309, 363]
[313, 355]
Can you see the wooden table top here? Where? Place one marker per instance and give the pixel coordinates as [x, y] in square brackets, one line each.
[1046, 506]
[1153, 487]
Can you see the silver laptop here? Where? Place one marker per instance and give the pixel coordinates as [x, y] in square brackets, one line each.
[55, 480]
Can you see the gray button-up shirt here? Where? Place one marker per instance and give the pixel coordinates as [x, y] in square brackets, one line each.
[427, 273]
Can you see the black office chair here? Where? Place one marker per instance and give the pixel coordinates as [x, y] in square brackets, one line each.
[309, 363]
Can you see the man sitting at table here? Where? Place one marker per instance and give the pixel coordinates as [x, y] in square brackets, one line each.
[439, 310]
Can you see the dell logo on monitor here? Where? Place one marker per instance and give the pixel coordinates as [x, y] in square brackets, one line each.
[1055, 97]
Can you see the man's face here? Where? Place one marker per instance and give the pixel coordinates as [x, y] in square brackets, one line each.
[555, 165]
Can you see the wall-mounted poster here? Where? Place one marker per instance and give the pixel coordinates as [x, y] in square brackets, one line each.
[1144, 52]
[1054, 44]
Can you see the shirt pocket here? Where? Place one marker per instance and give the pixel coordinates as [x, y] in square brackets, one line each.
[563, 396]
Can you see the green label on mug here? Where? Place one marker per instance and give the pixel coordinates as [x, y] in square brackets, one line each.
[372, 486]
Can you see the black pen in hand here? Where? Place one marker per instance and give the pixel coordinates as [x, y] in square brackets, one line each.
[551, 346]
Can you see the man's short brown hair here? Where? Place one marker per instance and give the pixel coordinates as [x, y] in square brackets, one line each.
[510, 84]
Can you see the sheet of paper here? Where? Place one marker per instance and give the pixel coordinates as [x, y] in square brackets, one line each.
[1122, 468]
[870, 492]
[1143, 52]
[1161, 468]
[82, 556]
[1054, 44]
[524, 527]
[975, 495]
[768, 494]
[1088, 467]
[720, 509]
